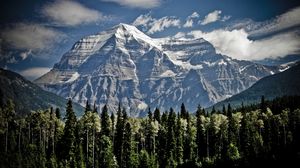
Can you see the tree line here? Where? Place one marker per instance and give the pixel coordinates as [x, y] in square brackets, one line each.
[249, 136]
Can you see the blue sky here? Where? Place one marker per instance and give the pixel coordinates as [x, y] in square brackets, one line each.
[36, 33]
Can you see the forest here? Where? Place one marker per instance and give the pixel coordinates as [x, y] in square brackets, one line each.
[262, 135]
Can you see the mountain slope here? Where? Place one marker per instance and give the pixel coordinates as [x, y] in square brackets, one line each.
[124, 65]
[28, 96]
[285, 83]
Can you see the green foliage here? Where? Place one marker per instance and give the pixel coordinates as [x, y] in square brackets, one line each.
[248, 138]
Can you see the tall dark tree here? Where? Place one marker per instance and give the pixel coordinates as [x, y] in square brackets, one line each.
[183, 112]
[95, 109]
[105, 124]
[179, 141]
[68, 139]
[224, 110]
[87, 107]
[171, 141]
[57, 113]
[157, 115]
[127, 146]
[119, 135]
[263, 105]
[200, 136]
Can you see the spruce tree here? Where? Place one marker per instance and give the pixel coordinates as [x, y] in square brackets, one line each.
[157, 115]
[127, 146]
[57, 113]
[183, 112]
[105, 124]
[87, 107]
[68, 139]
[200, 136]
[179, 141]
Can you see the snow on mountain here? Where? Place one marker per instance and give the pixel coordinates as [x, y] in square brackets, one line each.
[124, 65]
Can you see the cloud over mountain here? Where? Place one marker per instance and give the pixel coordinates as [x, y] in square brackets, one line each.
[70, 13]
[146, 4]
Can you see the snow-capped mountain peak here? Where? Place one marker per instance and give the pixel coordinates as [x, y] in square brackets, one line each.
[124, 65]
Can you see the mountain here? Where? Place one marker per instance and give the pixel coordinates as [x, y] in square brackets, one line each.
[281, 84]
[124, 65]
[28, 96]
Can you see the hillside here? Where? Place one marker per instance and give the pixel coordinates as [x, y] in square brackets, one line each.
[285, 83]
[28, 96]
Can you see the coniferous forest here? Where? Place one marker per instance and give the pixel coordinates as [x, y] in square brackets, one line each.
[262, 135]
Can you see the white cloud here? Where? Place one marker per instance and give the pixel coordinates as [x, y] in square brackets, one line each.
[70, 13]
[28, 36]
[213, 17]
[25, 54]
[143, 20]
[162, 23]
[281, 22]
[189, 21]
[194, 15]
[145, 4]
[34, 73]
[284, 21]
[152, 25]
[236, 44]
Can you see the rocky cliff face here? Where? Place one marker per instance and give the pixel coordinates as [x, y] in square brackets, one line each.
[125, 65]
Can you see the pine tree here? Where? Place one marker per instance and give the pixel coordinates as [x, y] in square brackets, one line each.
[87, 107]
[95, 109]
[183, 112]
[149, 141]
[57, 113]
[105, 124]
[200, 136]
[127, 146]
[224, 112]
[112, 118]
[119, 137]
[68, 139]
[171, 141]
[157, 115]
[263, 105]
[179, 141]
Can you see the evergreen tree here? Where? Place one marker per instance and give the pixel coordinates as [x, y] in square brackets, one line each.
[119, 137]
[200, 136]
[95, 109]
[171, 141]
[157, 115]
[263, 105]
[57, 113]
[127, 146]
[87, 107]
[179, 141]
[105, 124]
[68, 139]
[183, 112]
[224, 110]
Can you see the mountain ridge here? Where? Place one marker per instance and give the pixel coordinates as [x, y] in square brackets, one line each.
[124, 65]
[281, 84]
[28, 96]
